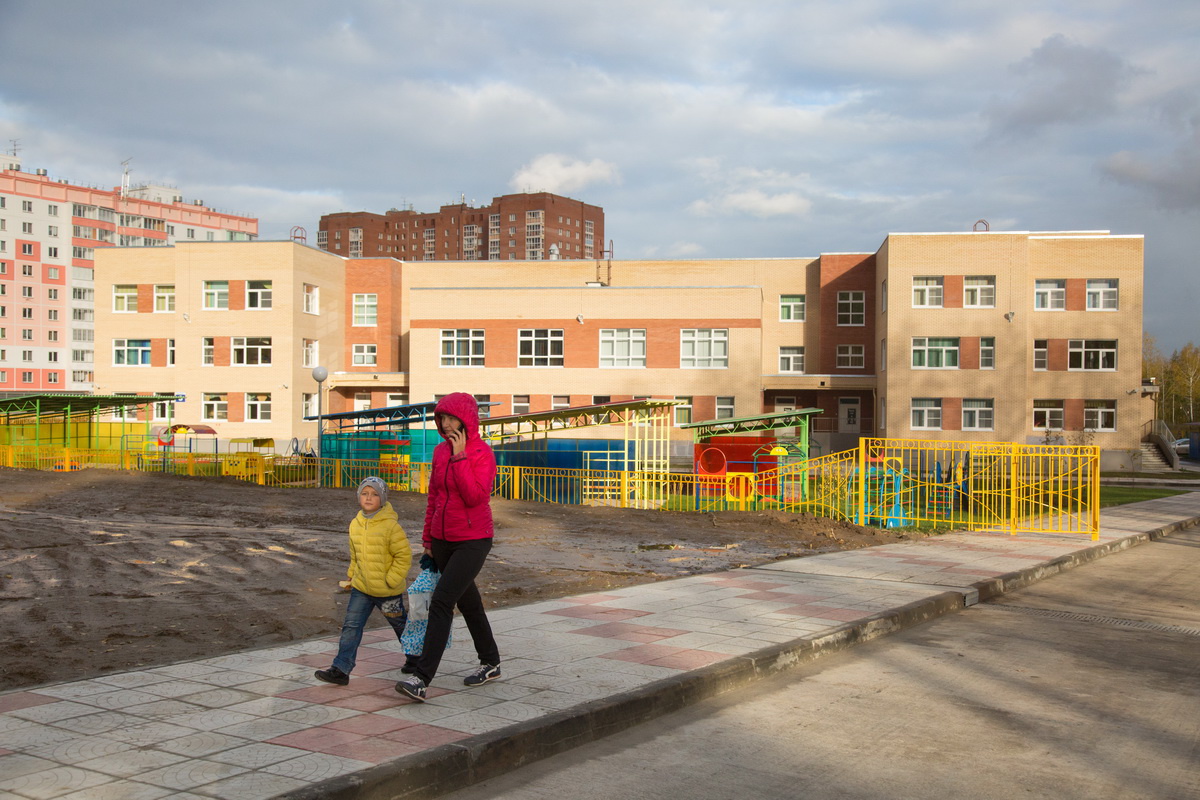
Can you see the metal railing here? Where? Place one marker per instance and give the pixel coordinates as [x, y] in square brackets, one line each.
[884, 482]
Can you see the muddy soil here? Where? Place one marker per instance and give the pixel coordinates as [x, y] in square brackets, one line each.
[104, 571]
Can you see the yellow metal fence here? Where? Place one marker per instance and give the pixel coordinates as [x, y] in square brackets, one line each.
[884, 482]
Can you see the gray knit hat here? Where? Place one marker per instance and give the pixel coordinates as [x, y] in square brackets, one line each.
[376, 483]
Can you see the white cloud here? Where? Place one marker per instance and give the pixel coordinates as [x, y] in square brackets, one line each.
[559, 174]
[754, 202]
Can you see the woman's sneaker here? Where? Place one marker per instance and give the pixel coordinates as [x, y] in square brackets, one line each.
[332, 675]
[412, 687]
[484, 673]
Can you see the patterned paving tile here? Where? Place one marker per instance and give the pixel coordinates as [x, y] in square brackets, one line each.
[316, 739]
[121, 790]
[77, 749]
[262, 729]
[127, 763]
[54, 782]
[219, 698]
[99, 723]
[14, 765]
[190, 773]
[251, 786]
[149, 734]
[256, 755]
[426, 736]
[315, 767]
[375, 750]
[369, 724]
[196, 745]
[52, 712]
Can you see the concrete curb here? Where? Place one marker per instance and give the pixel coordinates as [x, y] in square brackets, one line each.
[455, 766]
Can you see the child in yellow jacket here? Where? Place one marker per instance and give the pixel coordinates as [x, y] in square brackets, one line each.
[380, 556]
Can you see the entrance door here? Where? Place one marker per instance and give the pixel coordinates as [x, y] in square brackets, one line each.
[848, 415]
[785, 403]
[362, 401]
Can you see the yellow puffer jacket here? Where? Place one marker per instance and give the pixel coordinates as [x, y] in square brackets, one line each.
[380, 554]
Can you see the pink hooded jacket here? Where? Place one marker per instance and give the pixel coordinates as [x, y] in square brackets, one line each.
[460, 487]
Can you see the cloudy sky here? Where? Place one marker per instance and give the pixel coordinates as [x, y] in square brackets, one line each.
[719, 129]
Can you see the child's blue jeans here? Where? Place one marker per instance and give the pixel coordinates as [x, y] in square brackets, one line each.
[358, 609]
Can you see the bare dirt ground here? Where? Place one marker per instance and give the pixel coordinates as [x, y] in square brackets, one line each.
[103, 571]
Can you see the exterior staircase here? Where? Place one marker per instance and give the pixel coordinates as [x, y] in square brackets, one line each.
[1152, 459]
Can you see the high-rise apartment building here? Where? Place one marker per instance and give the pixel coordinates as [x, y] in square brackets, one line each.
[49, 232]
[523, 227]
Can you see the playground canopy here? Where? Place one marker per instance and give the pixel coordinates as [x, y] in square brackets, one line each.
[755, 424]
[56, 416]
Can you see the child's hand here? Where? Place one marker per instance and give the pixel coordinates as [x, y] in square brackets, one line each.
[344, 585]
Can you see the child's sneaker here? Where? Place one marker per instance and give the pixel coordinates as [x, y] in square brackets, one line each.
[412, 687]
[332, 675]
[483, 674]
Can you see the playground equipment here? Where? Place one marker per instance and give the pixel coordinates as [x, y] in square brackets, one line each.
[884, 499]
[249, 457]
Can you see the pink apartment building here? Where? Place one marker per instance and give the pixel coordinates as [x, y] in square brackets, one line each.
[49, 232]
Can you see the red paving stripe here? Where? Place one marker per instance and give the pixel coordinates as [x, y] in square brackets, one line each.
[643, 653]
[319, 661]
[838, 614]
[689, 659]
[318, 739]
[425, 736]
[370, 724]
[745, 583]
[592, 598]
[328, 692]
[780, 597]
[598, 613]
[19, 700]
[374, 750]
[629, 632]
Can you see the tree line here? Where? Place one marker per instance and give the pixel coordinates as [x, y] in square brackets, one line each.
[1178, 375]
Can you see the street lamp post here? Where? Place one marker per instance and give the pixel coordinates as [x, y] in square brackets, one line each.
[319, 375]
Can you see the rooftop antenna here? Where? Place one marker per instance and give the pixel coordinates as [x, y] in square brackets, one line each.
[16, 147]
[125, 178]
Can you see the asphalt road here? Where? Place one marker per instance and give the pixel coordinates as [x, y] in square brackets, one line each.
[1086, 685]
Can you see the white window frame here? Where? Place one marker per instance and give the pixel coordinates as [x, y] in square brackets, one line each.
[214, 407]
[365, 355]
[1092, 355]
[1100, 415]
[978, 414]
[312, 299]
[935, 352]
[462, 347]
[622, 348]
[792, 308]
[366, 310]
[125, 296]
[258, 295]
[258, 407]
[851, 356]
[1050, 295]
[519, 405]
[926, 414]
[1103, 294]
[979, 291]
[852, 309]
[164, 298]
[791, 360]
[726, 407]
[928, 291]
[683, 412]
[1051, 413]
[208, 351]
[215, 296]
[987, 352]
[540, 347]
[310, 353]
[704, 348]
[131, 352]
[250, 351]
[1041, 355]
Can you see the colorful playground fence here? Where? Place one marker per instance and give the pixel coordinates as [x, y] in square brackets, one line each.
[884, 482]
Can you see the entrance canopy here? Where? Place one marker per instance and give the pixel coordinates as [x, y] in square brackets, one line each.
[756, 424]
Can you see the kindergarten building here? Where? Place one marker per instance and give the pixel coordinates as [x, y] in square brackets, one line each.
[976, 336]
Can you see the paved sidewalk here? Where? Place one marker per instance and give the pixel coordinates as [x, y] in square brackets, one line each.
[258, 725]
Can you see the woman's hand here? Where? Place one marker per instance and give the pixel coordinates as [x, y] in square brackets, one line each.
[457, 440]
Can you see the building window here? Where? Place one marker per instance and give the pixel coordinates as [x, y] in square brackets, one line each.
[1041, 354]
[365, 309]
[258, 407]
[1050, 295]
[1092, 355]
[484, 401]
[125, 298]
[927, 293]
[1100, 415]
[926, 414]
[251, 351]
[312, 299]
[791, 359]
[215, 408]
[258, 294]
[170, 352]
[540, 347]
[791, 308]
[979, 291]
[311, 353]
[704, 348]
[308, 404]
[27, 271]
[364, 355]
[1102, 295]
[851, 356]
[520, 404]
[27, 250]
[725, 407]
[131, 352]
[977, 415]
[462, 347]
[208, 351]
[26, 292]
[162, 409]
[935, 353]
[987, 352]
[683, 411]
[1047, 415]
[164, 298]
[560, 401]
[623, 347]
[851, 308]
[216, 295]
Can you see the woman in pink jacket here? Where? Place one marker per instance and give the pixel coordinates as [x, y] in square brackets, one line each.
[458, 535]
